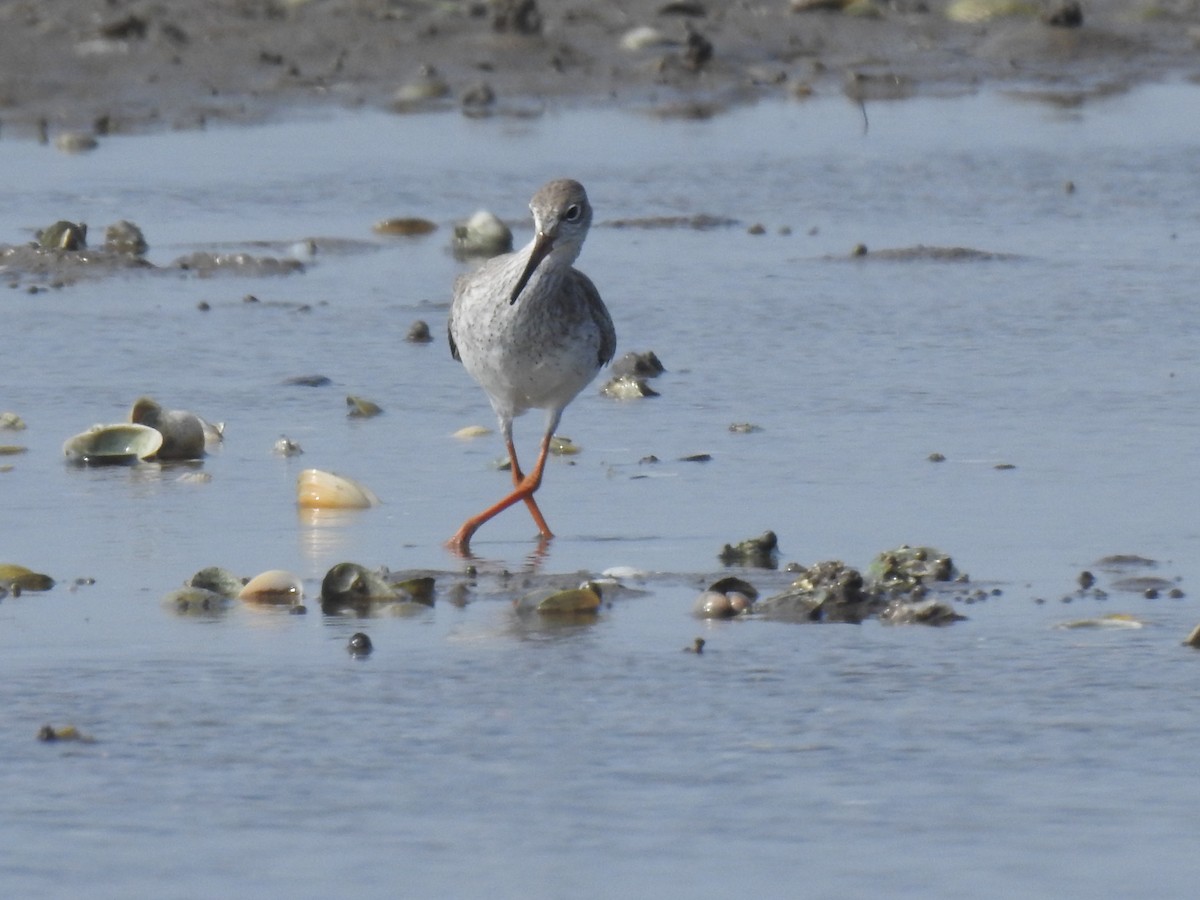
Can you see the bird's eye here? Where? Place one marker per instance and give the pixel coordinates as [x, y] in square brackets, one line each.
[573, 212]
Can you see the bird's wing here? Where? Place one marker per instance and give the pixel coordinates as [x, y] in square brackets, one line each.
[599, 313]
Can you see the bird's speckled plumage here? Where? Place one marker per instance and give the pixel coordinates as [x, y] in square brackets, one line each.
[531, 328]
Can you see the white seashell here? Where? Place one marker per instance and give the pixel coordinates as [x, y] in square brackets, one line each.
[471, 431]
[643, 37]
[274, 586]
[318, 489]
[120, 444]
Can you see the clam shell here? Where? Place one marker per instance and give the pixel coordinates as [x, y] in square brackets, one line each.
[318, 489]
[274, 586]
[23, 578]
[120, 444]
[578, 601]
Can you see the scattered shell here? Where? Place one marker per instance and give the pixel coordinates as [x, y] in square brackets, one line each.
[75, 142]
[195, 477]
[418, 333]
[1112, 620]
[404, 227]
[125, 237]
[10, 421]
[196, 601]
[214, 433]
[63, 235]
[628, 387]
[482, 235]
[285, 446]
[478, 99]
[906, 568]
[926, 612]
[972, 12]
[362, 408]
[583, 600]
[23, 579]
[218, 580]
[683, 8]
[1065, 15]
[309, 380]
[276, 587]
[645, 364]
[644, 37]
[12, 450]
[121, 444]
[349, 584]
[318, 489]
[423, 90]
[182, 431]
[713, 605]
[563, 446]
[49, 734]
[470, 432]
[733, 584]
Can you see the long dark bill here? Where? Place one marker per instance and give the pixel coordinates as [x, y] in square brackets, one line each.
[541, 248]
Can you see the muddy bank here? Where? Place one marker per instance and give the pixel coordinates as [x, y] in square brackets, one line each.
[112, 65]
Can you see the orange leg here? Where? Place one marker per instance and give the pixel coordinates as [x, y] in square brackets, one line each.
[518, 477]
[524, 487]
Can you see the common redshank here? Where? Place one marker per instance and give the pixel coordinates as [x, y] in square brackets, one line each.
[533, 331]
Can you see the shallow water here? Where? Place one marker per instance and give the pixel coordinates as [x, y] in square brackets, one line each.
[475, 752]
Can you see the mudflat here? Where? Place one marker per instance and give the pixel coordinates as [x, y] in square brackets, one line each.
[112, 65]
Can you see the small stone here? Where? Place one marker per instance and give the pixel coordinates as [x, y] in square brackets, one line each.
[359, 645]
[418, 333]
[697, 646]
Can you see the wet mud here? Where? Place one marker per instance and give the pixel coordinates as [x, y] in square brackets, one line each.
[93, 68]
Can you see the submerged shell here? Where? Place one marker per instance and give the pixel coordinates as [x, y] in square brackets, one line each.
[196, 601]
[404, 226]
[274, 586]
[318, 489]
[470, 432]
[362, 408]
[10, 421]
[628, 387]
[584, 600]
[120, 444]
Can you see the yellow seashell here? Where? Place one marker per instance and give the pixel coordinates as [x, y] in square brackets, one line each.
[318, 489]
[23, 578]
